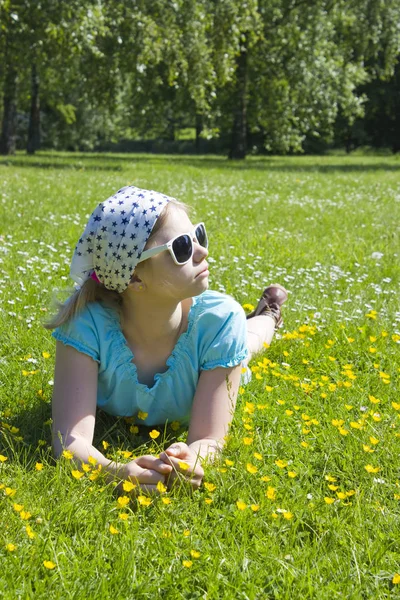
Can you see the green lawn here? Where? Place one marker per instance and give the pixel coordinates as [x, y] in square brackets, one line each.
[305, 502]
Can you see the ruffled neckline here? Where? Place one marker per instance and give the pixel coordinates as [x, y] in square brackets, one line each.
[126, 355]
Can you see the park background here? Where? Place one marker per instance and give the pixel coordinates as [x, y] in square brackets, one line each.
[200, 76]
[304, 502]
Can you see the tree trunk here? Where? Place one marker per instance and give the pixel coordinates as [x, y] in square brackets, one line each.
[8, 130]
[199, 129]
[239, 142]
[34, 117]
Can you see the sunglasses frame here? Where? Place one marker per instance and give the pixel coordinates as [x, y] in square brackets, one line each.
[168, 246]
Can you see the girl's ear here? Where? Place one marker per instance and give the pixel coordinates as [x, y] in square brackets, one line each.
[137, 284]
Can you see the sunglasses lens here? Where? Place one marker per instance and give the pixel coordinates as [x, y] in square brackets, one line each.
[201, 235]
[182, 248]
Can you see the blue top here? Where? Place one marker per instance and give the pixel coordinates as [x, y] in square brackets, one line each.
[216, 336]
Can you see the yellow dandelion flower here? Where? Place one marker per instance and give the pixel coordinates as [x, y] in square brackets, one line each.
[329, 500]
[161, 487]
[251, 468]
[371, 469]
[113, 530]
[229, 463]
[30, 533]
[85, 468]
[105, 444]
[258, 456]
[305, 444]
[241, 505]
[183, 466]
[265, 478]
[18, 507]
[372, 349]
[281, 463]
[332, 358]
[10, 492]
[25, 515]
[341, 495]
[348, 384]
[396, 578]
[271, 493]
[210, 487]
[46, 354]
[186, 533]
[255, 507]
[195, 553]
[373, 440]
[333, 487]
[343, 431]
[92, 461]
[288, 515]
[166, 500]
[123, 516]
[123, 501]
[355, 425]
[67, 454]
[77, 474]
[247, 441]
[125, 453]
[3, 458]
[134, 429]
[142, 415]
[248, 306]
[330, 478]
[274, 515]
[144, 501]
[128, 486]
[154, 434]
[288, 412]
[39, 466]
[377, 417]
[396, 405]
[348, 406]
[208, 500]
[11, 547]
[367, 448]
[268, 388]
[373, 399]
[187, 563]
[292, 474]
[49, 564]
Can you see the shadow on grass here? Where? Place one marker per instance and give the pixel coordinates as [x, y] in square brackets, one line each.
[280, 164]
[33, 425]
[29, 164]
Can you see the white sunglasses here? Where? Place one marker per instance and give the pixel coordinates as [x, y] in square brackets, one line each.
[181, 246]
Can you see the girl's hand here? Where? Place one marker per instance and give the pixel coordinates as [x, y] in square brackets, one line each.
[185, 463]
[145, 472]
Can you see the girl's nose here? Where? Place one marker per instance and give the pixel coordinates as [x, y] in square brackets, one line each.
[199, 252]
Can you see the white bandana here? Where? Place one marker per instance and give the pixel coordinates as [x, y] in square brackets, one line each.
[115, 237]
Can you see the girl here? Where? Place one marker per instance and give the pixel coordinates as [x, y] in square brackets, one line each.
[142, 337]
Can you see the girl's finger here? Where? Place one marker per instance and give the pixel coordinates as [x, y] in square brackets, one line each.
[148, 476]
[156, 464]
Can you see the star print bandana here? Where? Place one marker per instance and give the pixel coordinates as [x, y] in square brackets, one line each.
[115, 237]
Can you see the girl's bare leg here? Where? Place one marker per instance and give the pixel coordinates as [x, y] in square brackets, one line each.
[260, 331]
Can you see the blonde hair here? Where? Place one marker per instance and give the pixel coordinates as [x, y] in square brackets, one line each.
[91, 291]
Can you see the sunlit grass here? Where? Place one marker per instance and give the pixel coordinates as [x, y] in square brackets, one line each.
[305, 500]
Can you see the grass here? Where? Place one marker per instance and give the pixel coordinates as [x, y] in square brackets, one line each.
[323, 403]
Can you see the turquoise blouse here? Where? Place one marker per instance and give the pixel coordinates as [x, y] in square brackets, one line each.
[216, 336]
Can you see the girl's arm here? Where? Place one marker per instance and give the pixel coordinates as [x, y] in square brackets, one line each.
[74, 413]
[212, 411]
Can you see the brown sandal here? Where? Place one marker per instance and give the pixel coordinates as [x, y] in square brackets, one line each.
[270, 304]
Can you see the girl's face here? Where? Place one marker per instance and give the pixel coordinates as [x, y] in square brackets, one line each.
[161, 276]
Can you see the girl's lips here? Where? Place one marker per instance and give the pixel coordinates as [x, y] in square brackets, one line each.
[203, 273]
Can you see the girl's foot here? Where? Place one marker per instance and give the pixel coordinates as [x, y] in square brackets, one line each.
[270, 304]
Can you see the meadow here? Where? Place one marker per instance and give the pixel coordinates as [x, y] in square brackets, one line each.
[305, 499]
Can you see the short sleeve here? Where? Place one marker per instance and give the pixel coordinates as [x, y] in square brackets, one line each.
[80, 333]
[225, 336]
